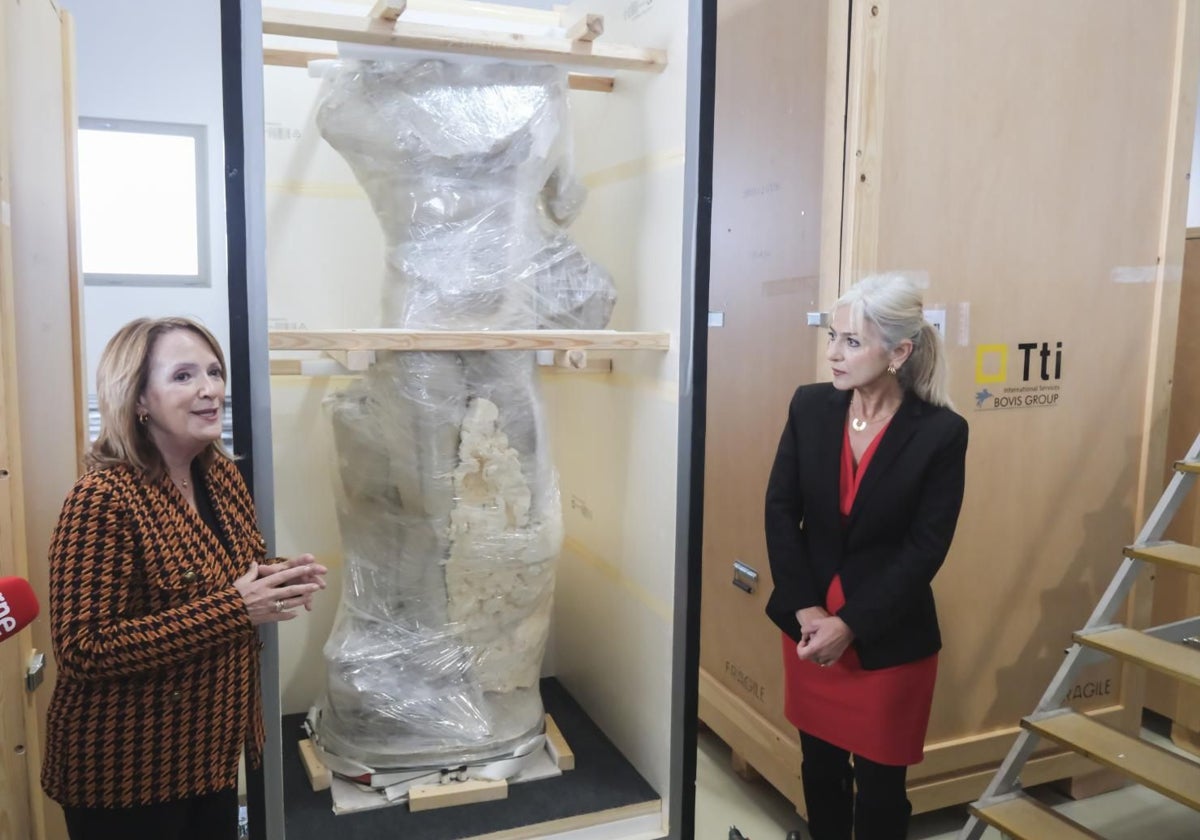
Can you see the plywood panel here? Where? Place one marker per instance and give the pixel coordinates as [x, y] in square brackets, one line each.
[15, 819]
[993, 174]
[766, 230]
[45, 318]
[1052, 241]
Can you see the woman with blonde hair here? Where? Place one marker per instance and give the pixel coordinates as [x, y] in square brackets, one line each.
[158, 578]
[861, 507]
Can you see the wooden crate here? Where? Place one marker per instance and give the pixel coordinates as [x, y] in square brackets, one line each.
[1039, 192]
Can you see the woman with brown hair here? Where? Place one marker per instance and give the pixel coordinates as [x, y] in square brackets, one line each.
[158, 577]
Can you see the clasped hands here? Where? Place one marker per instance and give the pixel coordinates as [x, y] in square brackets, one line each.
[271, 592]
[823, 637]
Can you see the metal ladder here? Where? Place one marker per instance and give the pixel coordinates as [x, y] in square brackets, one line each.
[1165, 649]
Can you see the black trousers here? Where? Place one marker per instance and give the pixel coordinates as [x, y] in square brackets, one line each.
[867, 800]
[213, 816]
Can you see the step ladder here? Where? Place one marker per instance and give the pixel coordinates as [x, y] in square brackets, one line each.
[1172, 649]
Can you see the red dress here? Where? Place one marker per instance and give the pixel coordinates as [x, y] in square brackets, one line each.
[881, 715]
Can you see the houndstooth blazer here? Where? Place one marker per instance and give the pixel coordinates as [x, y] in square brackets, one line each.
[158, 681]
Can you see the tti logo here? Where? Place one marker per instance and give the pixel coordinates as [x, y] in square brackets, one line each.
[991, 362]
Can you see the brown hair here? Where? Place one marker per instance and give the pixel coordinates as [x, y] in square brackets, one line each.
[120, 380]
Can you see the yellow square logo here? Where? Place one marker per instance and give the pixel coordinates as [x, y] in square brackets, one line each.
[991, 363]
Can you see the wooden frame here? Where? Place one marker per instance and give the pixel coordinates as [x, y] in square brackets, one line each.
[42, 417]
[456, 340]
[638, 234]
[371, 32]
[277, 57]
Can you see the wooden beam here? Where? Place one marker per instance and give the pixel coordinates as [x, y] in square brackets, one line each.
[286, 367]
[456, 340]
[319, 776]
[428, 797]
[74, 251]
[581, 81]
[557, 746]
[587, 28]
[389, 10]
[327, 27]
[273, 57]
[276, 57]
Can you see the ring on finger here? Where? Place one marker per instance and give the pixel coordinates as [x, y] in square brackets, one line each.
[278, 606]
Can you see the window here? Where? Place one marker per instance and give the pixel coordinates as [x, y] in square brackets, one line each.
[143, 208]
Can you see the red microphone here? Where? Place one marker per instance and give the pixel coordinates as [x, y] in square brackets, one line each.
[18, 606]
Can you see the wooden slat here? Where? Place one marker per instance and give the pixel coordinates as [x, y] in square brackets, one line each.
[1176, 555]
[74, 251]
[319, 776]
[286, 367]
[560, 750]
[388, 10]
[585, 81]
[361, 30]
[1151, 765]
[1172, 659]
[429, 797]
[1023, 818]
[1188, 466]
[457, 340]
[587, 28]
[276, 57]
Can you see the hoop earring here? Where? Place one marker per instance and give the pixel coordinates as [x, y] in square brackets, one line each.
[892, 370]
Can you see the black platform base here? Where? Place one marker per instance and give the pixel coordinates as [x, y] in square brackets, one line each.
[601, 781]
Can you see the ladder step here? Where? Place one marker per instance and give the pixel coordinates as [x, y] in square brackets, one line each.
[1170, 658]
[1023, 818]
[1188, 466]
[1177, 555]
[1151, 765]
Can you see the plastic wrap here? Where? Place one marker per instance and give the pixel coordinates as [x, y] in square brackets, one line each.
[449, 506]
[468, 168]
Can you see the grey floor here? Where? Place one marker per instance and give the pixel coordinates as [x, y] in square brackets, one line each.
[761, 813]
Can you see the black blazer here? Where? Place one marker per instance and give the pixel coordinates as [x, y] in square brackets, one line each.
[895, 538]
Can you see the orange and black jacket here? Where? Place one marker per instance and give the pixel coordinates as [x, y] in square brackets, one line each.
[158, 685]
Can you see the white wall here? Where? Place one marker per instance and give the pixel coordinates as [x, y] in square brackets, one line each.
[158, 62]
[616, 436]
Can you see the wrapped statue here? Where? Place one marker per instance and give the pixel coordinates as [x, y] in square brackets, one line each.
[449, 507]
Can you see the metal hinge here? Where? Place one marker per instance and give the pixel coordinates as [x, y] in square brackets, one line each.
[35, 672]
[744, 577]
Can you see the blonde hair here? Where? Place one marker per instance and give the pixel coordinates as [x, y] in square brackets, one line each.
[892, 302]
[120, 380]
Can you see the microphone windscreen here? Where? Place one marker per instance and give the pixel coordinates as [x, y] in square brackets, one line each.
[18, 606]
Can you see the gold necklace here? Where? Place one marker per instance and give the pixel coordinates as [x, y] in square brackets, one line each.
[860, 425]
